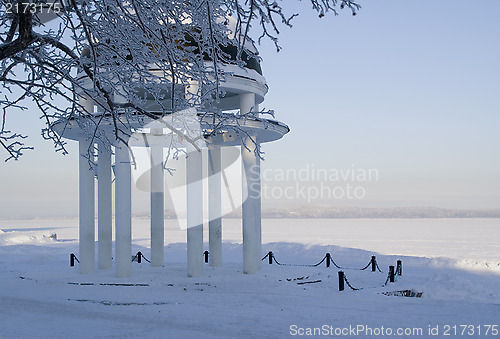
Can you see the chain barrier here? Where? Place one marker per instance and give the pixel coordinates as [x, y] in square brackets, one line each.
[373, 262]
[333, 262]
[273, 258]
[72, 258]
[300, 265]
[364, 268]
[343, 278]
[138, 257]
[399, 268]
[387, 280]
[348, 284]
[143, 257]
[392, 276]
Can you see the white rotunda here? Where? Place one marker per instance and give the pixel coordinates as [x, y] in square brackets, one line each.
[243, 88]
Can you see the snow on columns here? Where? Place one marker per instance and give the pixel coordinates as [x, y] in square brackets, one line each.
[104, 200]
[86, 209]
[194, 211]
[157, 203]
[214, 206]
[123, 213]
[252, 246]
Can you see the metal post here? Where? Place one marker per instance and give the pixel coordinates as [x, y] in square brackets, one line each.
[71, 260]
[270, 258]
[399, 268]
[391, 274]
[206, 256]
[341, 281]
[374, 263]
[328, 259]
[139, 257]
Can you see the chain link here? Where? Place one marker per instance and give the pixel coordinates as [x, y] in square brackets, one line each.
[136, 257]
[282, 264]
[348, 284]
[319, 263]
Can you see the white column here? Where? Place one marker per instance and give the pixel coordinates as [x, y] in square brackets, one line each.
[123, 213]
[252, 245]
[214, 206]
[157, 204]
[104, 200]
[247, 103]
[86, 209]
[257, 188]
[256, 195]
[194, 211]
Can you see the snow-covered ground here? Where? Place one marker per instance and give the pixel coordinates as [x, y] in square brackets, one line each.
[454, 262]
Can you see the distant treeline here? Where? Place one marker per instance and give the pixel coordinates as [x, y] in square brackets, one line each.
[346, 212]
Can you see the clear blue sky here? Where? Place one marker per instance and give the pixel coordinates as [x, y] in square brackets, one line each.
[410, 88]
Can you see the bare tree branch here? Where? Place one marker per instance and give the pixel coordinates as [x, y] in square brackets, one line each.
[127, 56]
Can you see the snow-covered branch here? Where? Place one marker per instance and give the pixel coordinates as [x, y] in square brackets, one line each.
[132, 53]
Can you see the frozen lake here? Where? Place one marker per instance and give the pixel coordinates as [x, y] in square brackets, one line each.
[454, 238]
[471, 239]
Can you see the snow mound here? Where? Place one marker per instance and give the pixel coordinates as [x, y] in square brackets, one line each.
[20, 238]
[479, 265]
